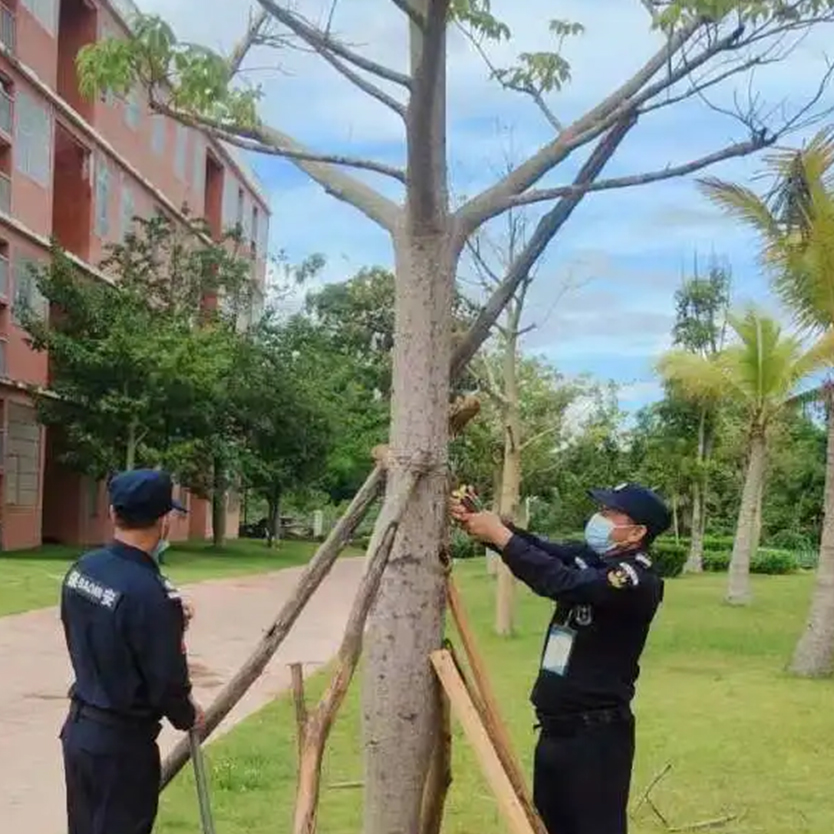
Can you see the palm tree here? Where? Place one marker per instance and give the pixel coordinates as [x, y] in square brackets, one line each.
[762, 372]
[795, 223]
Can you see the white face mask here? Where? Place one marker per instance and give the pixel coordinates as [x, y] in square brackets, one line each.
[598, 533]
[161, 546]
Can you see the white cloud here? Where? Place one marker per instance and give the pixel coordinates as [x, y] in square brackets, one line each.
[633, 244]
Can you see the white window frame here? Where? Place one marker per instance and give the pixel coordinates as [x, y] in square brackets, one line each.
[103, 181]
[33, 128]
[45, 12]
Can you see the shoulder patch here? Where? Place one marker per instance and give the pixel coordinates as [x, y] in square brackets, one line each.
[170, 589]
[92, 590]
[623, 576]
[580, 562]
[643, 560]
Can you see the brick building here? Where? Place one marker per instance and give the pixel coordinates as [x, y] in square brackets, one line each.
[80, 170]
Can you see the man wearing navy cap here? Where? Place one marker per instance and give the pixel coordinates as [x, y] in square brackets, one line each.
[606, 593]
[124, 624]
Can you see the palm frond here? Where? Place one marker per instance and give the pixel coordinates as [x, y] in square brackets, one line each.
[740, 203]
[697, 378]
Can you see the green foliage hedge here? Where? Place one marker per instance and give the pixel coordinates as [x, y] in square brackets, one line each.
[766, 561]
[668, 557]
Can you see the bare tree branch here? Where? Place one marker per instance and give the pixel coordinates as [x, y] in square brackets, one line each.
[323, 42]
[738, 149]
[528, 90]
[406, 8]
[247, 42]
[319, 167]
[546, 229]
[479, 209]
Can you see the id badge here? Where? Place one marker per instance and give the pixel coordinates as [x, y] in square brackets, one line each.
[558, 650]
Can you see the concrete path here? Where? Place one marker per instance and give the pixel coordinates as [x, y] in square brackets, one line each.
[231, 615]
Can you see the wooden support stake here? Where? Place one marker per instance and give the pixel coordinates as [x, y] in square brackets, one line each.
[320, 721]
[439, 778]
[300, 702]
[466, 712]
[488, 706]
[314, 574]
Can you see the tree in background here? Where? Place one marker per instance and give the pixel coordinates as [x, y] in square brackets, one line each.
[199, 87]
[702, 305]
[795, 224]
[761, 373]
[128, 365]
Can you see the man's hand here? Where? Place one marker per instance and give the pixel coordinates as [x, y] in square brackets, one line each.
[187, 611]
[484, 526]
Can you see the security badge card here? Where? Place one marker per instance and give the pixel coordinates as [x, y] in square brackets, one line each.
[558, 649]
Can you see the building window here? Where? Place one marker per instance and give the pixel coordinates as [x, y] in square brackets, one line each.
[102, 197]
[45, 12]
[263, 241]
[240, 217]
[254, 231]
[26, 294]
[230, 191]
[33, 139]
[180, 151]
[158, 136]
[128, 210]
[133, 108]
[199, 180]
[23, 456]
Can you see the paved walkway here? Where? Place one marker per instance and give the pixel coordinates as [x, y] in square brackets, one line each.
[231, 615]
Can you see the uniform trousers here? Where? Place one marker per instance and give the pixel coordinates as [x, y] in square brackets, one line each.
[112, 778]
[582, 772]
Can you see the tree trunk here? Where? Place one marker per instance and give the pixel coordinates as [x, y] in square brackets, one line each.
[814, 652]
[511, 477]
[757, 521]
[399, 696]
[676, 527]
[218, 506]
[492, 558]
[738, 588]
[695, 561]
[132, 443]
[273, 522]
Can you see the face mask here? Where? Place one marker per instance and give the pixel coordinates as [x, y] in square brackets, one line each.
[598, 533]
[161, 546]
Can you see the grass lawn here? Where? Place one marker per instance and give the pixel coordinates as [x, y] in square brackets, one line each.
[31, 579]
[712, 700]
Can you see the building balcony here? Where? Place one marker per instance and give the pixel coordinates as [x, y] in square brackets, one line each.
[8, 28]
[4, 278]
[5, 194]
[6, 114]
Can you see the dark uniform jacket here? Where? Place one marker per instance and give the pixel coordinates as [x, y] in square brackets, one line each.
[607, 602]
[124, 627]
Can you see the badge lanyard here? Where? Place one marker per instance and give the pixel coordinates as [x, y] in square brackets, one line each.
[559, 646]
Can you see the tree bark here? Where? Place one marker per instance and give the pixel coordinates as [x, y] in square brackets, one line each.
[314, 574]
[695, 561]
[399, 693]
[814, 652]
[130, 452]
[273, 523]
[218, 505]
[492, 558]
[738, 587]
[676, 527]
[511, 472]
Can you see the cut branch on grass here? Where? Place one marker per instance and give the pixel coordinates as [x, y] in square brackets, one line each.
[546, 229]
[319, 722]
[322, 42]
[314, 574]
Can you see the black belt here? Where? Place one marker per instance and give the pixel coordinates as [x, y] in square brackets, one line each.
[568, 722]
[78, 709]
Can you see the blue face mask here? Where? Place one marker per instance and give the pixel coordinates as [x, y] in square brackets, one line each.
[598, 534]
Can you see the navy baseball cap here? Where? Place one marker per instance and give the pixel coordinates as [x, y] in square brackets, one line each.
[143, 495]
[639, 503]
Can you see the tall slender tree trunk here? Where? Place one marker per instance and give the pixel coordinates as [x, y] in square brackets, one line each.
[738, 587]
[273, 521]
[132, 443]
[400, 699]
[695, 561]
[814, 652]
[492, 558]
[676, 527]
[218, 505]
[511, 473]
[757, 521]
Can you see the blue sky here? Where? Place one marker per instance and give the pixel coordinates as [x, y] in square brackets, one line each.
[622, 252]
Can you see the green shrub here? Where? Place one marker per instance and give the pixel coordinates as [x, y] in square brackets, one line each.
[668, 557]
[462, 546]
[774, 562]
[766, 561]
[790, 540]
[718, 543]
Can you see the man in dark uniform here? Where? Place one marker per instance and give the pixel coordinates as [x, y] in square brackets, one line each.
[124, 625]
[606, 594]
